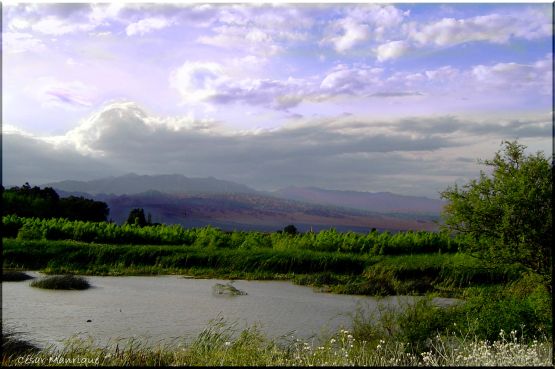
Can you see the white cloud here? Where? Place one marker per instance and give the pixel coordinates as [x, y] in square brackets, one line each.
[360, 24]
[219, 84]
[351, 80]
[19, 42]
[17, 24]
[147, 25]
[55, 26]
[100, 14]
[263, 31]
[253, 40]
[391, 50]
[495, 28]
[216, 83]
[197, 81]
[516, 77]
[61, 19]
[352, 34]
[442, 74]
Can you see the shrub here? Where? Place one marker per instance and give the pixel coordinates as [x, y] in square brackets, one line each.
[59, 282]
[14, 276]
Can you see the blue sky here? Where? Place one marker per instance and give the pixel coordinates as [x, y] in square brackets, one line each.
[369, 97]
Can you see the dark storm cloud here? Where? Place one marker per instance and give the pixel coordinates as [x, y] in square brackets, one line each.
[341, 153]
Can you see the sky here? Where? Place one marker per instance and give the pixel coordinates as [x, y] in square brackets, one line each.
[402, 98]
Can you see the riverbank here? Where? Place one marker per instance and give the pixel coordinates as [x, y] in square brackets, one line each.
[446, 274]
[217, 345]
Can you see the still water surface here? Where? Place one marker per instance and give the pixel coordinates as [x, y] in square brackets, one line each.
[164, 308]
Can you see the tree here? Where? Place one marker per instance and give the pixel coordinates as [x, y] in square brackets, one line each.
[506, 216]
[80, 208]
[290, 229]
[137, 217]
[27, 201]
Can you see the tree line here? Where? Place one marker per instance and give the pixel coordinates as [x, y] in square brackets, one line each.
[27, 201]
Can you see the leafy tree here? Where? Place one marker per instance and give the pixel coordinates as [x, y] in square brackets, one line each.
[290, 229]
[27, 201]
[80, 208]
[30, 201]
[137, 217]
[506, 216]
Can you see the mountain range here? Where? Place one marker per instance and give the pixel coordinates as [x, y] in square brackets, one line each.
[194, 202]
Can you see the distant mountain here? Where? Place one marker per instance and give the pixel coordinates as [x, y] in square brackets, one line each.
[133, 184]
[380, 202]
[194, 202]
[252, 212]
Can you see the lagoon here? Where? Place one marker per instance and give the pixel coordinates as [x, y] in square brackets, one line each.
[167, 308]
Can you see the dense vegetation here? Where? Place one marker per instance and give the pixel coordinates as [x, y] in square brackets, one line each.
[507, 216]
[27, 201]
[373, 243]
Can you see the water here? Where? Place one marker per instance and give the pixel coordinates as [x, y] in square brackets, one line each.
[165, 308]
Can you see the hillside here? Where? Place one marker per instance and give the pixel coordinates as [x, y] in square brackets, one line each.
[381, 202]
[168, 183]
[194, 202]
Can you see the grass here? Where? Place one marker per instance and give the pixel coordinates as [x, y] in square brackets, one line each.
[61, 282]
[15, 276]
[220, 345]
[332, 271]
[12, 344]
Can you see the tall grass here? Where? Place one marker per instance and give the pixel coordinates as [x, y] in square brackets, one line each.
[217, 345]
[331, 271]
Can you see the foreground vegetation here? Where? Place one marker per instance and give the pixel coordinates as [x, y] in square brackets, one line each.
[221, 345]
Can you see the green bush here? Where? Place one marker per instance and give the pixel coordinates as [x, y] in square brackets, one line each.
[61, 282]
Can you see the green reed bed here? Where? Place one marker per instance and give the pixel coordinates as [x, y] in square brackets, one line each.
[330, 271]
[61, 282]
[83, 256]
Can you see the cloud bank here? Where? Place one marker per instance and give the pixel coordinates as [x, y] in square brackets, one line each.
[345, 152]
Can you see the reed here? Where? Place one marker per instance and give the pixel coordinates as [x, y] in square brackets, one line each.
[217, 345]
[62, 282]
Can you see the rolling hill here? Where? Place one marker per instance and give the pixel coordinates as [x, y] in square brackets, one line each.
[194, 202]
[381, 202]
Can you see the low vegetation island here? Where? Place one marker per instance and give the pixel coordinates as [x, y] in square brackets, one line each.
[61, 282]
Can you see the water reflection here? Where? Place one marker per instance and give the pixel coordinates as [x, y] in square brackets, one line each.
[167, 308]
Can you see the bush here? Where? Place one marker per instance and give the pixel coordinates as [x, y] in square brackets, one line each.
[14, 276]
[59, 282]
